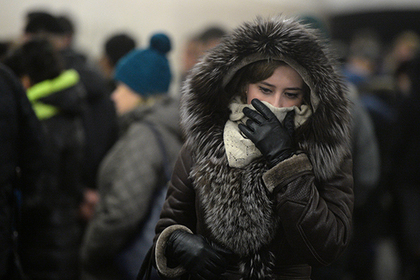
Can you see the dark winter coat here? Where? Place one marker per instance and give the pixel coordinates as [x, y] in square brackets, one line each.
[278, 221]
[21, 148]
[51, 242]
[405, 148]
[404, 175]
[100, 120]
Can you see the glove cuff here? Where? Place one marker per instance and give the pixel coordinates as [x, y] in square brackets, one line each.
[161, 260]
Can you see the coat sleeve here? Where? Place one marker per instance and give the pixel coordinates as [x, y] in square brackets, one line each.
[128, 177]
[316, 216]
[22, 136]
[178, 212]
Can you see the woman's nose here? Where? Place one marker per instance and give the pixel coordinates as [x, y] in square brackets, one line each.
[277, 100]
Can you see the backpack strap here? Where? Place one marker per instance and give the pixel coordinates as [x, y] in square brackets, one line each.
[165, 158]
[147, 265]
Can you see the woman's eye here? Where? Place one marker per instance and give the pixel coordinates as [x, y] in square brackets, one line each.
[292, 95]
[265, 90]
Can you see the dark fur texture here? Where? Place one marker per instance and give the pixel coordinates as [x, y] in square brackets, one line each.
[238, 206]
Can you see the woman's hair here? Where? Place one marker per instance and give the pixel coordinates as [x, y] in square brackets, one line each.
[254, 73]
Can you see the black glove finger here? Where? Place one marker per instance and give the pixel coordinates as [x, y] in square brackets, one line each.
[253, 115]
[289, 122]
[246, 131]
[252, 125]
[263, 109]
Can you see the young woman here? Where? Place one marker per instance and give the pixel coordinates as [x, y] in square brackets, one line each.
[262, 188]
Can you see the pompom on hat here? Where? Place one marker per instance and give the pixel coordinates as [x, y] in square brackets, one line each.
[147, 71]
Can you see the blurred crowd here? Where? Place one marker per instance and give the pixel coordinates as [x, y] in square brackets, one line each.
[86, 145]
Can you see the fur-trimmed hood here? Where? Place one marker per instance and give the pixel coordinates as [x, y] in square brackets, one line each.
[204, 104]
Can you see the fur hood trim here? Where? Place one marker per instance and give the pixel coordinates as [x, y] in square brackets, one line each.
[204, 105]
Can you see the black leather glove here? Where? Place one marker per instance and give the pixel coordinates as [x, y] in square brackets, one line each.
[201, 259]
[273, 139]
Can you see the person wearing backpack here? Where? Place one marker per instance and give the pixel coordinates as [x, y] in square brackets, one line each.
[134, 169]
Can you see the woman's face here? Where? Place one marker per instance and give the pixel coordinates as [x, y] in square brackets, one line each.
[125, 99]
[285, 88]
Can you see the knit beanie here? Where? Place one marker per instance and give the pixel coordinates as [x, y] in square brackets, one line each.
[147, 71]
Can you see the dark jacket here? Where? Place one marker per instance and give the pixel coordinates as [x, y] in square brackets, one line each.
[21, 158]
[403, 175]
[278, 221]
[100, 120]
[50, 244]
[406, 136]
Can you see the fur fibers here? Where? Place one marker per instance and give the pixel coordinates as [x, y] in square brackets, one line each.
[238, 207]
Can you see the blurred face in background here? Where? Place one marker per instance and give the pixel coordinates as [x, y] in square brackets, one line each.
[190, 55]
[125, 99]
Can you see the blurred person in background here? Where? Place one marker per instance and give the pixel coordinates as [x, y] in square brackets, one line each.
[115, 47]
[198, 45]
[23, 170]
[5, 46]
[359, 259]
[385, 91]
[363, 58]
[382, 92]
[404, 178]
[67, 39]
[100, 119]
[210, 37]
[189, 56]
[51, 238]
[134, 169]
[404, 47]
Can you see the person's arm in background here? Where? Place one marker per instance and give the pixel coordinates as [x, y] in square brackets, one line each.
[30, 142]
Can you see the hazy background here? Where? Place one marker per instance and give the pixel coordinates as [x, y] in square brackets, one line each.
[95, 20]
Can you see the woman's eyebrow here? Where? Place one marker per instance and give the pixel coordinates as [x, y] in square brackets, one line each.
[273, 86]
[294, 88]
[267, 84]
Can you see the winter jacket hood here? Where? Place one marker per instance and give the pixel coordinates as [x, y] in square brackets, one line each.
[204, 105]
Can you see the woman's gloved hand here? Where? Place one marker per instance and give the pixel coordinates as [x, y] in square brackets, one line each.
[273, 139]
[201, 259]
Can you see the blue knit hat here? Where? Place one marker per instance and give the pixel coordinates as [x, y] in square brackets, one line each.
[147, 71]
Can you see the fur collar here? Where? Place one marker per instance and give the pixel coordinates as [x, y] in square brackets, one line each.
[204, 105]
